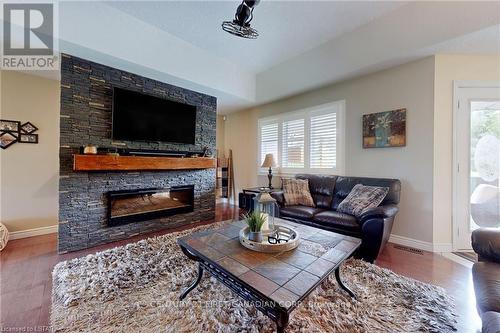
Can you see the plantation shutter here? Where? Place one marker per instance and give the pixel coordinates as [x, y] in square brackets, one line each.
[293, 144]
[323, 144]
[268, 141]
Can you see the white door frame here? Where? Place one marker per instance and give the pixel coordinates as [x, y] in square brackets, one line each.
[457, 85]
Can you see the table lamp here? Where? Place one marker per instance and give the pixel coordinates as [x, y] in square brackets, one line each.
[270, 163]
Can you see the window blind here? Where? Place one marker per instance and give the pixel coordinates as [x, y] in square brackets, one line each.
[309, 140]
[293, 144]
[268, 141]
[323, 145]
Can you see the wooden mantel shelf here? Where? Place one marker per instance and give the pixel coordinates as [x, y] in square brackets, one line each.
[138, 163]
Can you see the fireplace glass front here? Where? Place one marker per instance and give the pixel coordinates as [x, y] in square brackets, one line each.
[146, 204]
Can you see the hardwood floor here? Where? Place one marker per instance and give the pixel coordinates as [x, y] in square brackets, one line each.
[26, 282]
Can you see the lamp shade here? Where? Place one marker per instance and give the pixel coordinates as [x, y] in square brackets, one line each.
[269, 161]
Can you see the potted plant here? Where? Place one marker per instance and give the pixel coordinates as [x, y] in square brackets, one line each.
[255, 220]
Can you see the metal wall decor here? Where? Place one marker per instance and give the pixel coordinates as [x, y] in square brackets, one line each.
[240, 26]
[11, 131]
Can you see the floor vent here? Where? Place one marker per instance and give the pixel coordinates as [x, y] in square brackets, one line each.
[409, 249]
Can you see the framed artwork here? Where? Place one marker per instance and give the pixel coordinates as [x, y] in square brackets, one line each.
[11, 131]
[9, 125]
[28, 138]
[7, 139]
[384, 129]
[28, 128]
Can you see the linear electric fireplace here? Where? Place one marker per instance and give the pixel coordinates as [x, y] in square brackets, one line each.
[147, 204]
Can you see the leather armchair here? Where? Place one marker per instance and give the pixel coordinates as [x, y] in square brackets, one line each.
[486, 243]
[486, 277]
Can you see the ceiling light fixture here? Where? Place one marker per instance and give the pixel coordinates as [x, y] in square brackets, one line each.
[240, 26]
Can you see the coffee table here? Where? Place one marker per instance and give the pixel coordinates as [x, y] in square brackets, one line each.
[275, 283]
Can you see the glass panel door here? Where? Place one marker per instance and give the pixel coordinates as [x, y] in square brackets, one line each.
[477, 154]
[484, 164]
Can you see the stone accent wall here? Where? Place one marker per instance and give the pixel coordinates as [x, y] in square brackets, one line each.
[86, 100]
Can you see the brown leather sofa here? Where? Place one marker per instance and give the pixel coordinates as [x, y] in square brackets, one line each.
[486, 277]
[373, 226]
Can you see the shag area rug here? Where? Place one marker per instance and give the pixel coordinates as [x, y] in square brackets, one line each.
[135, 288]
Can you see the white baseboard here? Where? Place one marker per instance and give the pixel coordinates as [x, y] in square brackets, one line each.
[443, 247]
[421, 245]
[33, 232]
[457, 259]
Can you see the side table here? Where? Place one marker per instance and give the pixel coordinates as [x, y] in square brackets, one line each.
[246, 196]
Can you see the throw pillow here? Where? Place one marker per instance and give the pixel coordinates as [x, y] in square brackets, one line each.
[362, 198]
[296, 192]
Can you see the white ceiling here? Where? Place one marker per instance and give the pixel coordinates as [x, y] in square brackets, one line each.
[287, 28]
[302, 44]
[409, 32]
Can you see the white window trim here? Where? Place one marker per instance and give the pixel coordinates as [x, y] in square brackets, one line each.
[306, 114]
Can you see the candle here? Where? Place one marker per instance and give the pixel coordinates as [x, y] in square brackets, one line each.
[265, 226]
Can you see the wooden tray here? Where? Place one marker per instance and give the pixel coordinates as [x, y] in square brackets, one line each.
[267, 247]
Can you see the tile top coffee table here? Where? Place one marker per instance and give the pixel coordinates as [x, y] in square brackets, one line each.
[275, 283]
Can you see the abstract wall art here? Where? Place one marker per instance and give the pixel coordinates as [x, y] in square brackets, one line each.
[384, 129]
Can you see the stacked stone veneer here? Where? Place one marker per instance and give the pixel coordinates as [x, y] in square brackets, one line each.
[86, 101]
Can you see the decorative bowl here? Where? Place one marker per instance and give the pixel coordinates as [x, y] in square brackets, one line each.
[265, 246]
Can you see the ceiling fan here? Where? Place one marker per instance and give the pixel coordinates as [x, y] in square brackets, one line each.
[240, 25]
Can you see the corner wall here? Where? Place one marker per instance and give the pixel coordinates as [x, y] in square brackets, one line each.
[30, 172]
[409, 86]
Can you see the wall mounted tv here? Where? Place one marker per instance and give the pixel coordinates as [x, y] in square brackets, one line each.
[141, 117]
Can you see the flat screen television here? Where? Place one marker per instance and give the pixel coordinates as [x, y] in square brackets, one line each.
[141, 117]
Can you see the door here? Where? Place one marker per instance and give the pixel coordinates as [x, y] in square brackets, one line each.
[477, 161]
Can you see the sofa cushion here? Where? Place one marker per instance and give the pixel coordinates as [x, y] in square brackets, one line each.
[321, 188]
[299, 212]
[486, 276]
[332, 218]
[296, 192]
[344, 185]
[362, 198]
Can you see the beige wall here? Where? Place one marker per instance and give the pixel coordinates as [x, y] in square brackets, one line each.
[409, 86]
[448, 69]
[30, 172]
[220, 133]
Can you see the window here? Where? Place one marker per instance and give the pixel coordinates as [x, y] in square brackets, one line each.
[309, 140]
[293, 144]
[268, 141]
[324, 141]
